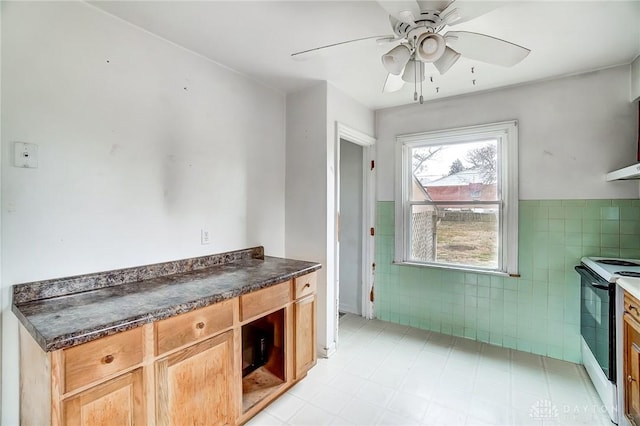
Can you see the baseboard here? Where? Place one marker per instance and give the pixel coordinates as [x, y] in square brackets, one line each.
[327, 352]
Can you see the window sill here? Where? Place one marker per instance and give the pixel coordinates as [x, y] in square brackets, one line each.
[458, 268]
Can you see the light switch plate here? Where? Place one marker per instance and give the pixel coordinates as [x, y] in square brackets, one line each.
[205, 237]
[25, 155]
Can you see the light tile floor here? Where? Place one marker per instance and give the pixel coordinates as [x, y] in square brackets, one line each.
[388, 374]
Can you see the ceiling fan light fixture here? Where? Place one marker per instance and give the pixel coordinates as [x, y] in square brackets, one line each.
[446, 61]
[409, 74]
[430, 47]
[395, 60]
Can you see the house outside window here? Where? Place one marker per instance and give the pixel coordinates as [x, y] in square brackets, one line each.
[457, 198]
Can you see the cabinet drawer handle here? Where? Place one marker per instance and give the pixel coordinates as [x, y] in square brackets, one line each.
[307, 285]
[108, 359]
[200, 325]
[633, 308]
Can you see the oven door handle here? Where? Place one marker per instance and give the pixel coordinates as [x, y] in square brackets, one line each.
[595, 280]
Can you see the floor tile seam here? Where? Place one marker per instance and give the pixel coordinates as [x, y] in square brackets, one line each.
[409, 364]
[354, 391]
[400, 414]
[289, 422]
[386, 357]
[292, 414]
[378, 422]
[316, 405]
[339, 415]
[371, 383]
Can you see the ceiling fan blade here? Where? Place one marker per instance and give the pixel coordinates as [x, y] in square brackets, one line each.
[306, 53]
[392, 83]
[486, 48]
[459, 12]
[439, 5]
[403, 10]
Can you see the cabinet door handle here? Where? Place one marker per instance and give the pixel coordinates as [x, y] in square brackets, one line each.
[108, 359]
[630, 379]
[200, 325]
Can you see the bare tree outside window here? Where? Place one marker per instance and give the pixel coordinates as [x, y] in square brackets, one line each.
[421, 156]
[485, 160]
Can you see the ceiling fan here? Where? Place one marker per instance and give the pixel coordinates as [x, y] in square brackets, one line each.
[419, 27]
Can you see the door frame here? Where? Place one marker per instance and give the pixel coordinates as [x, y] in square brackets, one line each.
[367, 142]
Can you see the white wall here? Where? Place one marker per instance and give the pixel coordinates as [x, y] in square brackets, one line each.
[141, 144]
[305, 190]
[572, 131]
[312, 115]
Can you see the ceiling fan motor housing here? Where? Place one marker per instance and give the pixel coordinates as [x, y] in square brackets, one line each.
[428, 19]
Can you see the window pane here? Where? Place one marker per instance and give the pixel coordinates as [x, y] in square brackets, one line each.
[455, 172]
[457, 236]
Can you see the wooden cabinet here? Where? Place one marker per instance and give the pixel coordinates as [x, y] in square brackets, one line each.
[187, 369]
[305, 324]
[195, 385]
[305, 336]
[119, 401]
[631, 345]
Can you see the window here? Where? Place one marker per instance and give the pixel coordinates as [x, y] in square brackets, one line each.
[457, 198]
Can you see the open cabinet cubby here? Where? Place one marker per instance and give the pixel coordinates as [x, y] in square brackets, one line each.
[263, 358]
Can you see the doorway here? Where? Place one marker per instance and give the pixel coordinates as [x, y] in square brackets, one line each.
[350, 228]
[356, 236]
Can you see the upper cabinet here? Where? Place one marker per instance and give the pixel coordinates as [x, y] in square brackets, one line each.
[630, 172]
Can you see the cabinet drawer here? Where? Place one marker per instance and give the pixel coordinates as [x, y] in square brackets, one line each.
[95, 360]
[305, 285]
[264, 300]
[180, 330]
[632, 306]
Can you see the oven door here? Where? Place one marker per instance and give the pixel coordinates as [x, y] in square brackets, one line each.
[597, 319]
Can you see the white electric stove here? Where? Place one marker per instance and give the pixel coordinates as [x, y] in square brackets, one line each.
[598, 322]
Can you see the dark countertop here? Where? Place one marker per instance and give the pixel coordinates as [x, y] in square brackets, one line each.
[72, 319]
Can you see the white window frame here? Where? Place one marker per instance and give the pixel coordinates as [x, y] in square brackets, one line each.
[506, 133]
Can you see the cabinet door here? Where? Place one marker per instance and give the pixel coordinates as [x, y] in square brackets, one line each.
[118, 401]
[632, 368]
[195, 385]
[305, 335]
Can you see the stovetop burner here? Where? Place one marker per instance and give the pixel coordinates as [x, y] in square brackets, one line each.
[610, 268]
[628, 274]
[617, 262]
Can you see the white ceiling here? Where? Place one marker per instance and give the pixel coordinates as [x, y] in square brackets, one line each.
[256, 38]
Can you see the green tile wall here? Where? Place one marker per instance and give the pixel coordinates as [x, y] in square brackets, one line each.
[538, 312]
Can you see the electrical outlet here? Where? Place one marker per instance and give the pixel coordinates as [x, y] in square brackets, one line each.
[205, 236]
[25, 155]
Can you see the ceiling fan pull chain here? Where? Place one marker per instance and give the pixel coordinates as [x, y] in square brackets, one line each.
[415, 80]
[421, 98]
